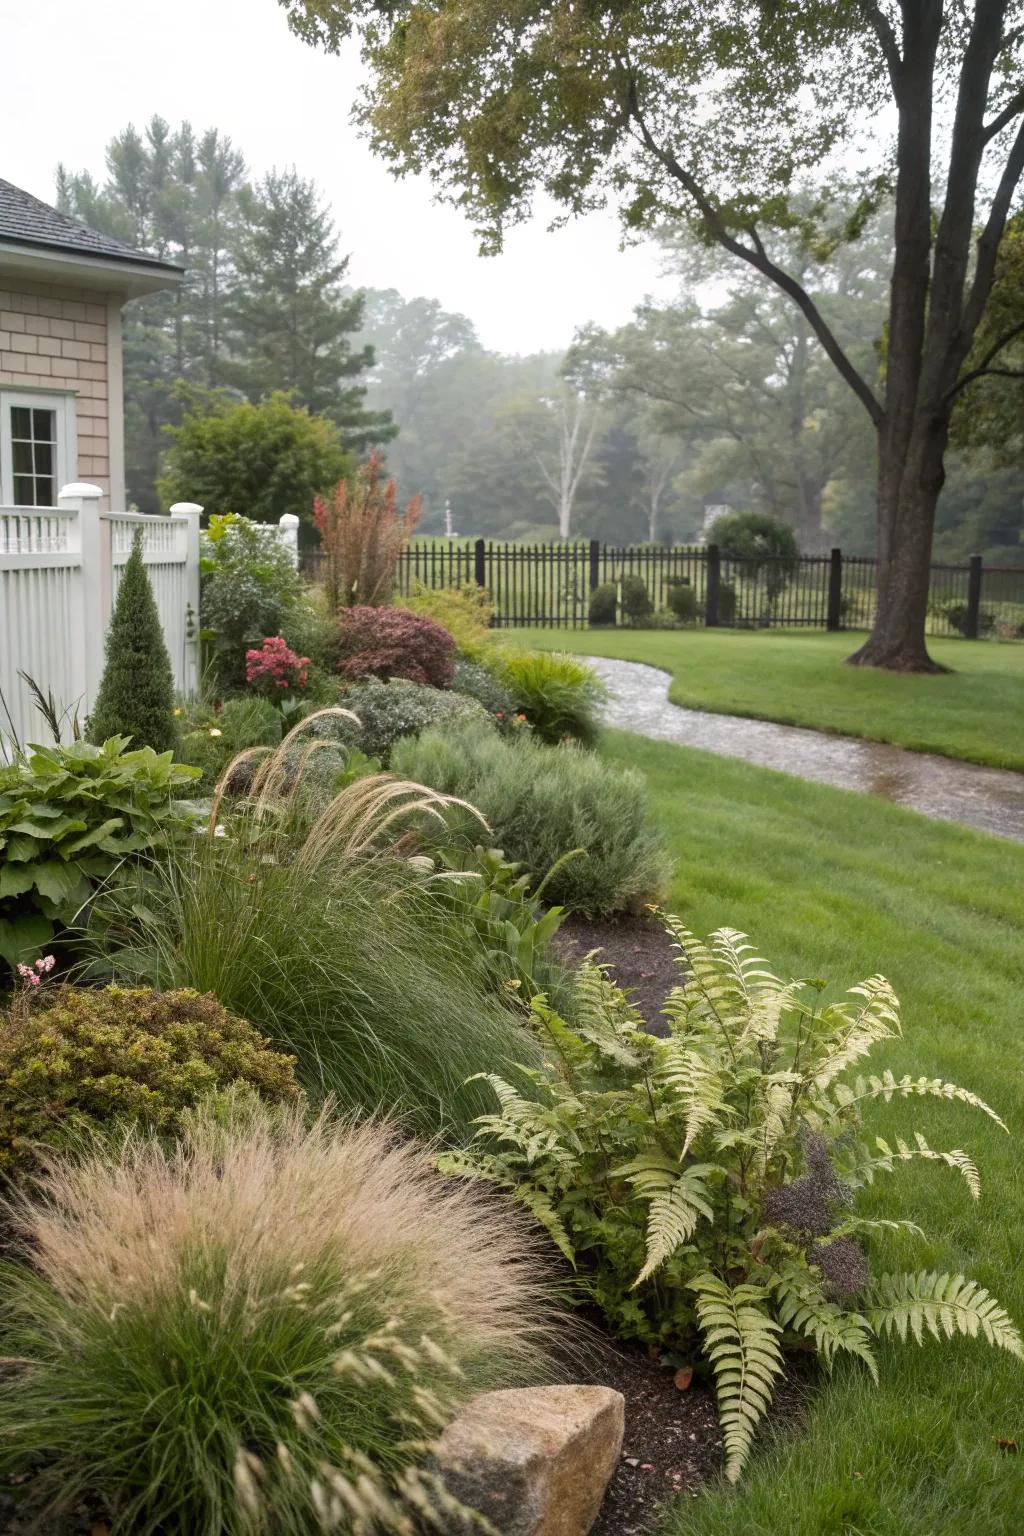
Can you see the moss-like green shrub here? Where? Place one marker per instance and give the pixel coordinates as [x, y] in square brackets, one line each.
[542, 804]
[683, 601]
[559, 695]
[604, 603]
[262, 1331]
[636, 600]
[480, 683]
[218, 736]
[136, 693]
[388, 711]
[87, 1058]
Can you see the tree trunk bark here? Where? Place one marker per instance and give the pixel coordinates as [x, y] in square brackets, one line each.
[908, 493]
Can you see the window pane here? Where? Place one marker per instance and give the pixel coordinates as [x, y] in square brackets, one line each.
[44, 492]
[24, 491]
[21, 421]
[42, 426]
[21, 453]
[44, 458]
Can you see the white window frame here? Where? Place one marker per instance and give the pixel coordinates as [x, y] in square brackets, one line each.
[62, 402]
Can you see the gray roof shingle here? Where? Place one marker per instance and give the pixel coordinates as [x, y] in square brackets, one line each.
[25, 220]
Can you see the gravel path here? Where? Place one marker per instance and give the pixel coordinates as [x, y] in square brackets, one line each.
[991, 799]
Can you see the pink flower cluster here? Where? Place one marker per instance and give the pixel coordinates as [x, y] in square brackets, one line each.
[275, 666]
[33, 974]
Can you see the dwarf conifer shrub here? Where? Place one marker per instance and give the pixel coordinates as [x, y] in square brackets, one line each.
[79, 1060]
[706, 1185]
[136, 692]
[541, 804]
[262, 1330]
[636, 600]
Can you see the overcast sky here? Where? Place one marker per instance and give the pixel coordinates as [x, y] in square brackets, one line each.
[77, 71]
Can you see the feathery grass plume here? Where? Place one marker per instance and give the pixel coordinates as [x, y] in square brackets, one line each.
[740, 1143]
[263, 1328]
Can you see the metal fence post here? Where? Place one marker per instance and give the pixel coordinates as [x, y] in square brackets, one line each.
[594, 574]
[973, 598]
[479, 567]
[834, 619]
[714, 577]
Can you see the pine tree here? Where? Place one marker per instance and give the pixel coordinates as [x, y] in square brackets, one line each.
[136, 692]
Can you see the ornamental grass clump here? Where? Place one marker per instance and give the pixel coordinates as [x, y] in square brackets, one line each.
[706, 1185]
[262, 1329]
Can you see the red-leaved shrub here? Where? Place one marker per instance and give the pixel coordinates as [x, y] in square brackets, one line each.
[392, 642]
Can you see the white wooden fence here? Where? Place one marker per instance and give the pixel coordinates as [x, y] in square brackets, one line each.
[59, 572]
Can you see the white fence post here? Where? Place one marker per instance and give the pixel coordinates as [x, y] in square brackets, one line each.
[96, 579]
[190, 512]
[289, 534]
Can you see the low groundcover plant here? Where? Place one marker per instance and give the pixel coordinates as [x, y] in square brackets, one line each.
[260, 1330]
[705, 1185]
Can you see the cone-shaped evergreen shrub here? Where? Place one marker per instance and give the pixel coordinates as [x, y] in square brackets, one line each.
[136, 692]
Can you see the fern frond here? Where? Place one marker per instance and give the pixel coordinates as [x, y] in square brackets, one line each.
[903, 1153]
[530, 1127]
[710, 998]
[742, 1344]
[942, 1305]
[857, 1028]
[804, 1309]
[677, 1203]
[747, 968]
[851, 1225]
[775, 1095]
[468, 1165]
[698, 1081]
[888, 1087]
[605, 1017]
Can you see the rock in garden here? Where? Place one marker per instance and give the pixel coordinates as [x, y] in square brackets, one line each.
[535, 1462]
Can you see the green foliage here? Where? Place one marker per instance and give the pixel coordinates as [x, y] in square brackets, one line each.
[706, 1182]
[465, 612]
[213, 738]
[257, 460]
[73, 1061]
[504, 908]
[250, 590]
[636, 600]
[136, 693]
[604, 604]
[559, 695]
[542, 804]
[765, 545]
[683, 601]
[265, 1329]
[727, 602]
[480, 683]
[388, 711]
[69, 817]
[342, 959]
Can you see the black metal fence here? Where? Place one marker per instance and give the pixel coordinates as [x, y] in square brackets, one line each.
[551, 585]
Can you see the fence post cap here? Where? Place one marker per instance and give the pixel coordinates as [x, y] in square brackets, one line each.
[288, 520]
[186, 509]
[79, 490]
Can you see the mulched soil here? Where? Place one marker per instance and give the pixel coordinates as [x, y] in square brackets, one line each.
[640, 953]
[672, 1442]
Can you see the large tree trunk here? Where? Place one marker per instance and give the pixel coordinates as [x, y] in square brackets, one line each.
[908, 493]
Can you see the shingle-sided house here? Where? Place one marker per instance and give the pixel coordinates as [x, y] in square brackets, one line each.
[62, 288]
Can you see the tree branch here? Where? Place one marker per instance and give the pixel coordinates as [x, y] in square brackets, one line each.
[983, 367]
[1014, 107]
[761, 262]
[879, 24]
[992, 234]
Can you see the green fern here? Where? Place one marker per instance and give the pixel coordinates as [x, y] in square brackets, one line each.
[903, 1153]
[742, 1344]
[699, 1085]
[531, 1127]
[888, 1087]
[677, 1203]
[803, 1309]
[942, 1305]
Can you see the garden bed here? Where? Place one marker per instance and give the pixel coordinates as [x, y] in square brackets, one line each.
[641, 954]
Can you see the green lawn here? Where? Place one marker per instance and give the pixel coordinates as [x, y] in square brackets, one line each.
[976, 712]
[840, 885]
